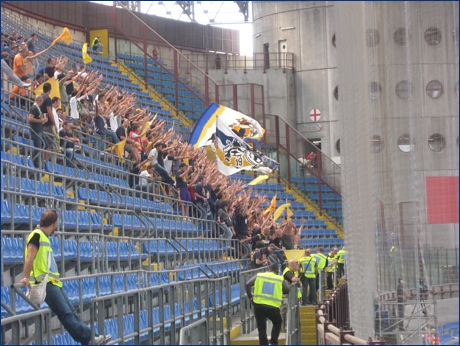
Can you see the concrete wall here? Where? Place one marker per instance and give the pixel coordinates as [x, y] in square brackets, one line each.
[307, 29]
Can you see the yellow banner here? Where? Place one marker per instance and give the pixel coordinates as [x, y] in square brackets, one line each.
[65, 36]
[84, 53]
[119, 148]
[280, 211]
[294, 254]
[258, 180]
[55, 91]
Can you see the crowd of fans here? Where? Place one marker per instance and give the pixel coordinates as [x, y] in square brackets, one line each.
[86, 108]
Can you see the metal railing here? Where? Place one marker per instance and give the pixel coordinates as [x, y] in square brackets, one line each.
[168, 319]
[225, 62]
[209, 84]
[332, 321]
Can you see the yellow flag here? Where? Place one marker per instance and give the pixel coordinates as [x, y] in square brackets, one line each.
[65, 36]
[272, 206]
[280, 210]
[84, 53]
[289, 213]
[119, 148]
[258, 180]
[55, 90]
[294, 254]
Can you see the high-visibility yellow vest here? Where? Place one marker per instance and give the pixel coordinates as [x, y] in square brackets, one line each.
[94, 41]
[308, 264]
[341, 256]
[331, 269]
[321, 260]
[268, 289]
[296, 274]
[40, 265]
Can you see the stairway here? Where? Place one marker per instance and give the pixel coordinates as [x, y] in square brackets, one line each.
[308, 325]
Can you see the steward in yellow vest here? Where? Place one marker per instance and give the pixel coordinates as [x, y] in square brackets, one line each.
[321, 263]
[330, 270]
[340, 256]
[35, 268]
[267, 298]
[309, 269]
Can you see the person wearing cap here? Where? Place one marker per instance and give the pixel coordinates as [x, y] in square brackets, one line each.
[265, 291]
[38, 254]
[19, 64]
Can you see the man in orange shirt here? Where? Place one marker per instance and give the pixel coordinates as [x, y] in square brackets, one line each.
[19, 66]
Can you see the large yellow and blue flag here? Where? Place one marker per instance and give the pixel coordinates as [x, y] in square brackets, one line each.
[241, 125]
[234, 155]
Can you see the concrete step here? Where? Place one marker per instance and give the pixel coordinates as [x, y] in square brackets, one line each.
[253, 339]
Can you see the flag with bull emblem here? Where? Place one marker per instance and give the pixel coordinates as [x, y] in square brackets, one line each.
[234, 154]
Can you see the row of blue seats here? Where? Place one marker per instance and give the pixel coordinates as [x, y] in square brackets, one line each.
[310, 223]
[323, 242]
[88, 288]
[29, 186]
[305, 214]
[72, 221]
[134, 223]
[13, 250]
[163, 248]
[314, 188]
[17, 159]
[279, 196]
[294, 205]
[325, 197]
[104, 166]
[82, 174]
[332, 206]
[15, 125]
[203, 270]
[336, 214]
[326, 233]
[235, 296]
[267, 187]
[103, 198]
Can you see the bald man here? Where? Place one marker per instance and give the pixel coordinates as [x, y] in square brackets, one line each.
[291, 274]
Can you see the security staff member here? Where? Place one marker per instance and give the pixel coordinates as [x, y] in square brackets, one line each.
[291, 274]
[309, 269]
[267, 298]
[321, 263]
[331, 269]
[341, 262]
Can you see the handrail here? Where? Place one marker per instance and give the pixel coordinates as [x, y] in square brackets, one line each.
[332, 328]
[165, 41]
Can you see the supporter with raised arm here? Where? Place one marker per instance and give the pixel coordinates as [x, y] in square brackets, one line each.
[30, 62]
[154, 157]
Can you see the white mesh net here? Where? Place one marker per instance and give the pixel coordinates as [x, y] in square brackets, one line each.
[398, 93]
